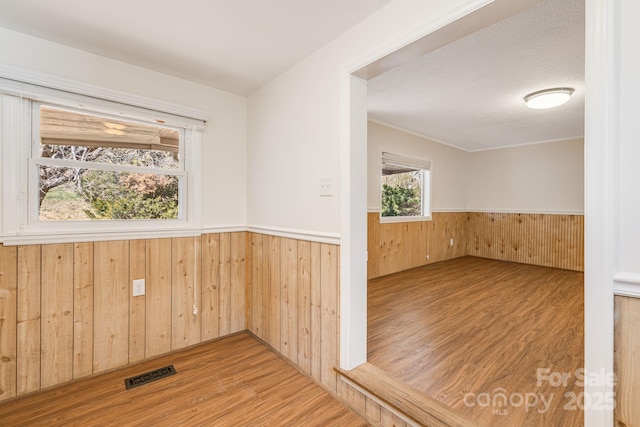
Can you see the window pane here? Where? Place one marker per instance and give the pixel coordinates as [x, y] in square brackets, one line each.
[114, 156]
[75, 193]
[402, 193]
[81, 137]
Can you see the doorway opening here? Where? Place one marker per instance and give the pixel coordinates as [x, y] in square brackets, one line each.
[369, 72]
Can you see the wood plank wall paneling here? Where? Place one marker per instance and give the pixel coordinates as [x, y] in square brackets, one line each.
[627, 366]
[224, 314]
[137, 305]
[111, 304]
[56, 312]
[304, 306]
[82, 309]
[28, 319]
[289, 299]
[539, 239]
[158, 297]
[254, 279]
[377, 414]
[185, 277]
[272, 313]
[394, 247]
[210, 290]
[329, 295]
[8, 321]
[316, 309]
[67, 310]
[238, 315]
[294, 288]
[444, 227]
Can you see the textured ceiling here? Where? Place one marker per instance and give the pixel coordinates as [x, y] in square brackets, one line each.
[469, 93]
[234, 45]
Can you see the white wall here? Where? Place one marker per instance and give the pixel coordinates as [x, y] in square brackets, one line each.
[533, 178]
[293, 142]
[224, 139]
[294, 124]
[449, 179]
[627, 160]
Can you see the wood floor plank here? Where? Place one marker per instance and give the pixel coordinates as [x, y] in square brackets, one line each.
[471, 326]
[236, 381]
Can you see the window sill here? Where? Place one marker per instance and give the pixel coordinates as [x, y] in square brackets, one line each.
[392, 219]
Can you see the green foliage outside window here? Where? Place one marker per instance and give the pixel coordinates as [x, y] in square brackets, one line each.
[114, 195]
[402, 194]
[80, 193]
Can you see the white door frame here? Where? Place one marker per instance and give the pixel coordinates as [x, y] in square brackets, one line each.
[600, 139]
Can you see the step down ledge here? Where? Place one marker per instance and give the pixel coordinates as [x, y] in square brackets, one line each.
[405, 399]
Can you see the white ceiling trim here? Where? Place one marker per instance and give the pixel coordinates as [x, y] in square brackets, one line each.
[418, 134]
[525, 144]
[466, 150]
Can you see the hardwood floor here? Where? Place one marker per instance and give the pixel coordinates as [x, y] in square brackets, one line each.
[236, 381]
[473, 332]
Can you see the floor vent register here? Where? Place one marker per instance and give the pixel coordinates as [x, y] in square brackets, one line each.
[148, 377]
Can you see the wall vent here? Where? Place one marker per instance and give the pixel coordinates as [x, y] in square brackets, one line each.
[148, 377]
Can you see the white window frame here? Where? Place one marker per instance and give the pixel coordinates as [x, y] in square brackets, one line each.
[20, 224]
[413, 163]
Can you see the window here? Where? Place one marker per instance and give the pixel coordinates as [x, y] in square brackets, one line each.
[80, 168]
[405, 188]
[90, 167]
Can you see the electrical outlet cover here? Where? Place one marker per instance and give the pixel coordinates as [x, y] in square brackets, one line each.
[138, 287]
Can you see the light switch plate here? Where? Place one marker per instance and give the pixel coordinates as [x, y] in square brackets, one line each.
[325, 186]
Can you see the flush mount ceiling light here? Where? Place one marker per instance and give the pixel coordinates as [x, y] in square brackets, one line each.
[548, 98]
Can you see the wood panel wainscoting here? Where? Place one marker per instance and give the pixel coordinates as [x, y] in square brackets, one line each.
[293, 307]
[399, 246]
[284, 291]
[67, 310]
[549, 240]
[627, 366]
[292, 297]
